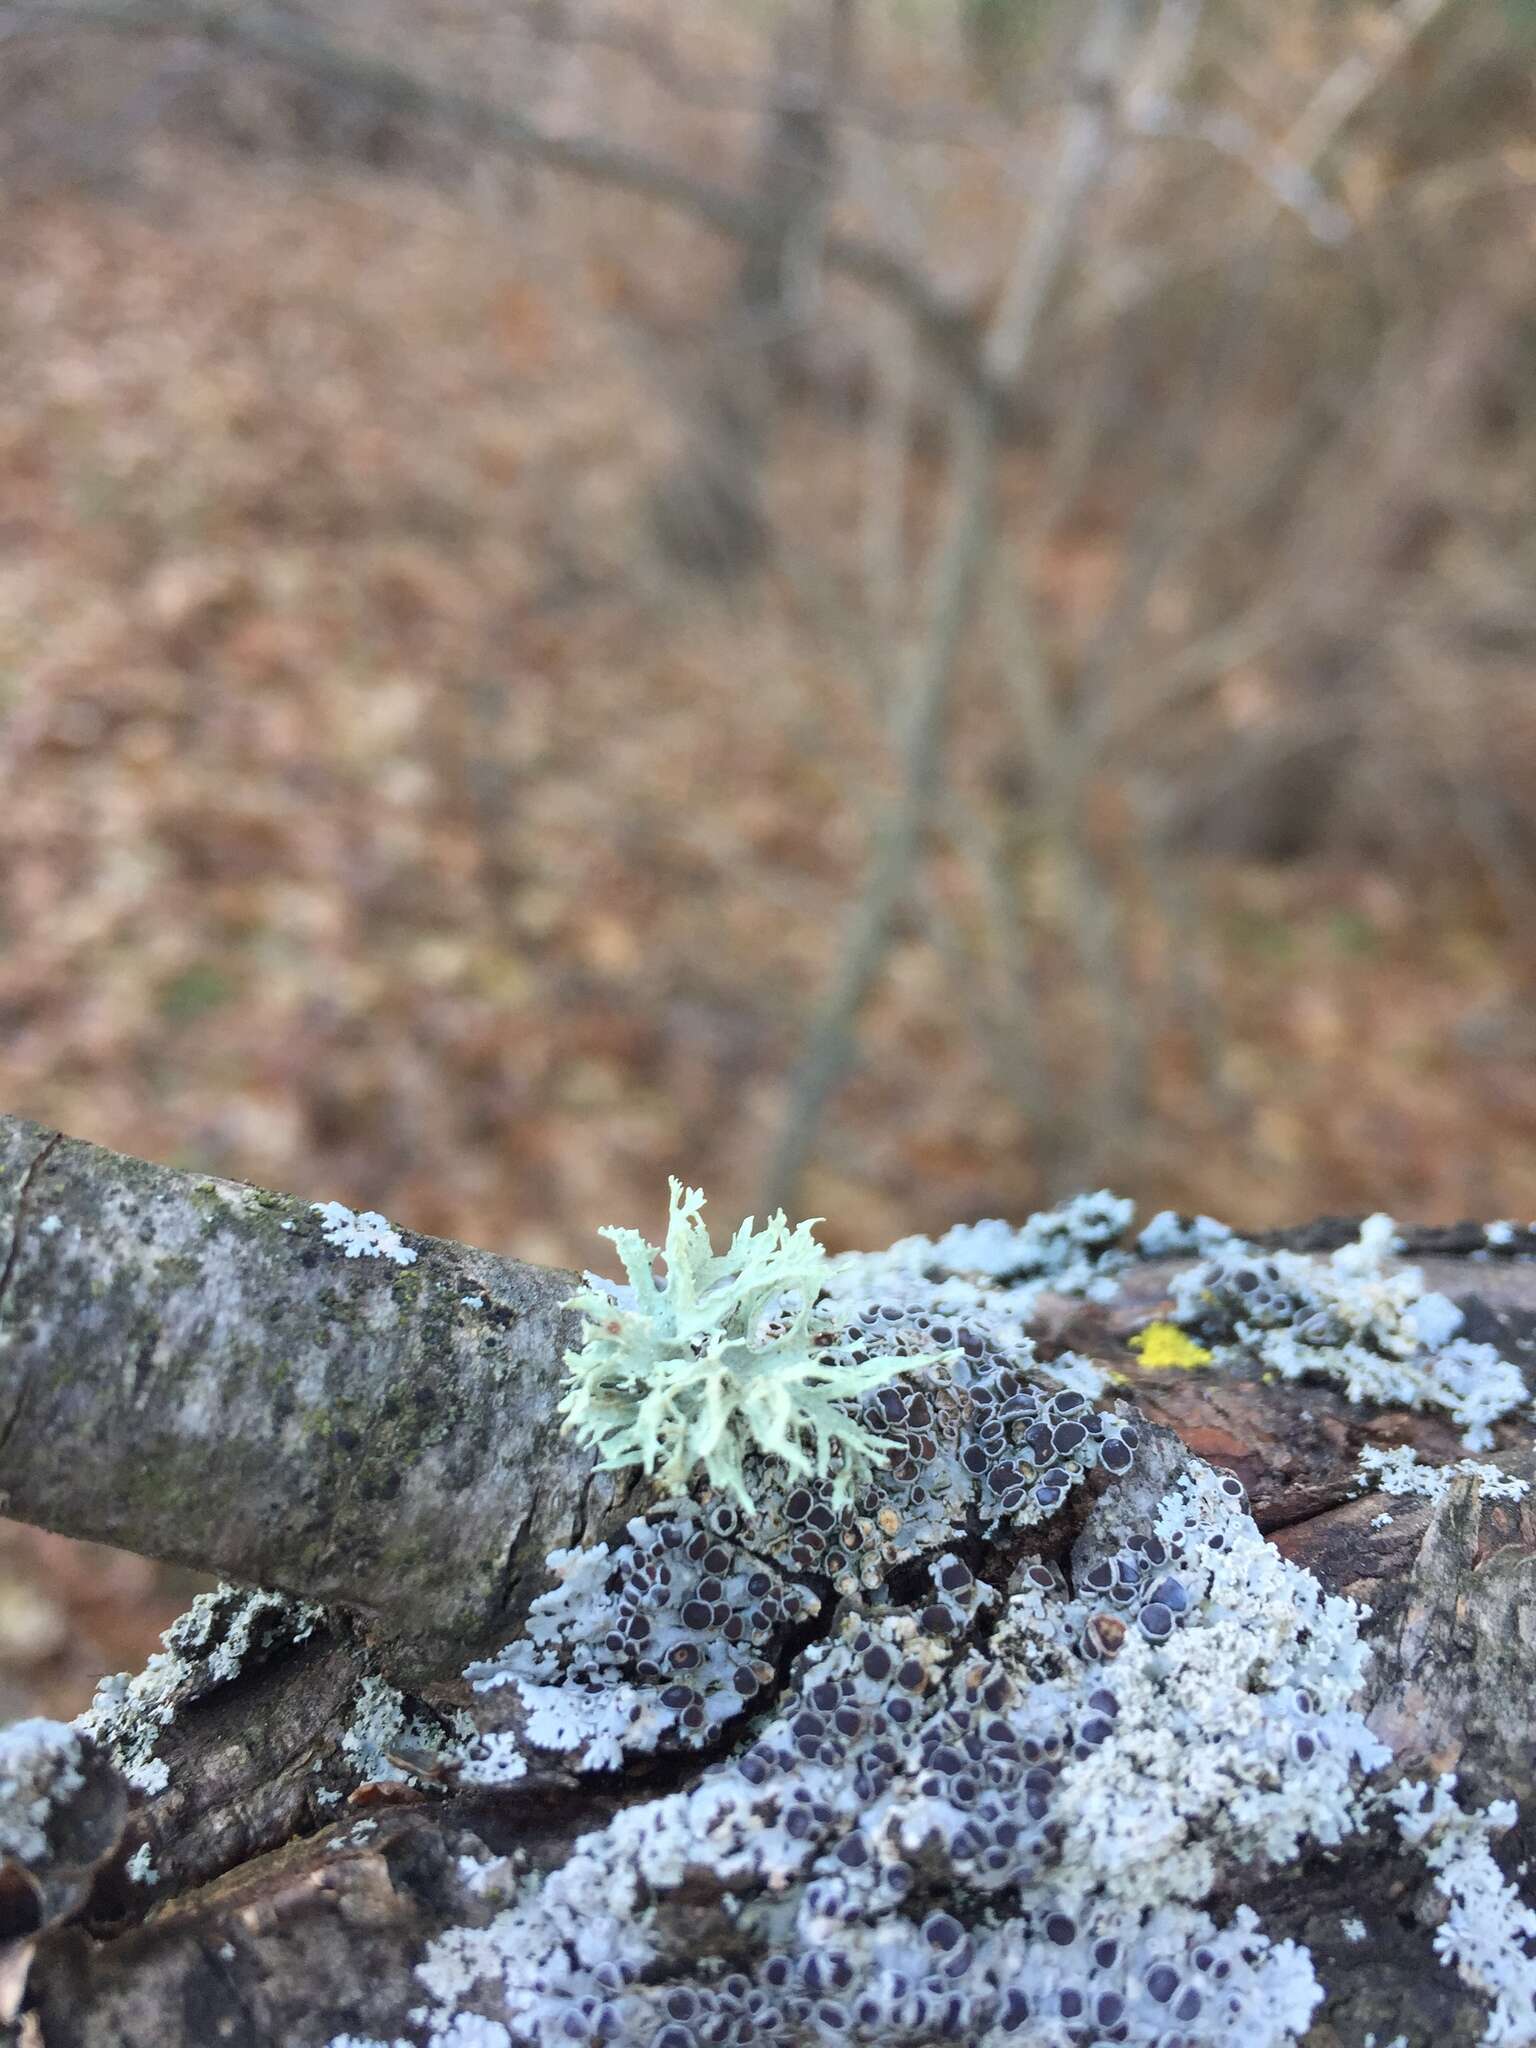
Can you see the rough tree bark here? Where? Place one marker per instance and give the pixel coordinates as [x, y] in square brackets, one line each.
[192, 1368]
[189, 1369]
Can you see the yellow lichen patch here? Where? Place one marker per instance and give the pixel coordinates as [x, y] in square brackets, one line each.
[1164, 1345]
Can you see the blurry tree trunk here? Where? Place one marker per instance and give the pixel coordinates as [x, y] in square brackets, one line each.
[709, 511]
[956, 573]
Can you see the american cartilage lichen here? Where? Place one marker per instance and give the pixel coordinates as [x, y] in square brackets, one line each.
[724, 1358]
[1380, 1333]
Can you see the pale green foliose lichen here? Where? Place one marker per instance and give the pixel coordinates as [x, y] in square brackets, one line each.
[723, 1359]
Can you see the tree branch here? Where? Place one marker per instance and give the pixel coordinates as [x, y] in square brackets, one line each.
[947, 326]
[189, 1368]
[957, 563]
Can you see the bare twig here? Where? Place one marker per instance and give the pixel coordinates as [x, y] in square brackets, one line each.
[1351, 83]
[1289, 183]
[866, 936]
[1079, 163]
[957, 565]
[1062, 767]
[1010, 1035]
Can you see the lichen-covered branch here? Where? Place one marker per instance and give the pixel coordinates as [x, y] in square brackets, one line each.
[1013, 1719]
[235, 1380]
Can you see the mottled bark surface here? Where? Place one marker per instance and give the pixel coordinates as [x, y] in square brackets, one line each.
[188, 1369]
[177, 1372]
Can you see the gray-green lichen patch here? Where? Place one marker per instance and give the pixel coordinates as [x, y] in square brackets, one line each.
[62, 1812]
[382, 1732]
[203, 1649]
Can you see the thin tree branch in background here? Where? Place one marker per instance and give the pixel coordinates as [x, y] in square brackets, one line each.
[1060, 769]
[1011, 1034]
[947, 327]
[1351, 83]
[1195, 998]
[887, 449]
[1160, 533]
[1290, 184]
[1009, 1030]
[867, 934]
[831, 1042]
[1078, 165]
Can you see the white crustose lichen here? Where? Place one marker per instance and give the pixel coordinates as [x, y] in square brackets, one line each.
[1402, 1471]
[1352, 1318]
[367, 1235]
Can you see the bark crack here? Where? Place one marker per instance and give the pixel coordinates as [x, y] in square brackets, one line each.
[34, 1167]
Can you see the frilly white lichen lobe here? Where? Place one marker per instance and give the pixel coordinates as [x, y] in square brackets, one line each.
[1402, 1471]
[367, 1235]
[1488, 1933]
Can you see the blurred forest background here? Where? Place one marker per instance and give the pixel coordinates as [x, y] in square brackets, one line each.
[902, 606]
